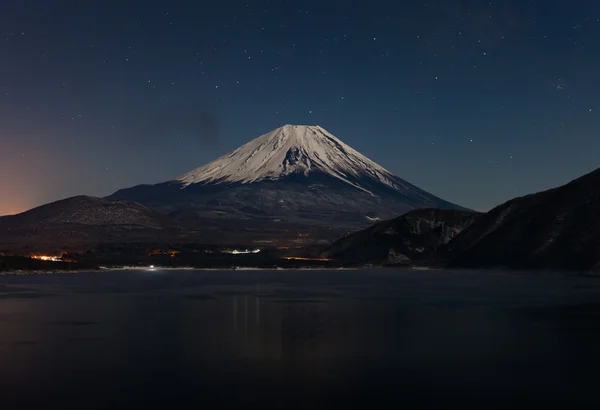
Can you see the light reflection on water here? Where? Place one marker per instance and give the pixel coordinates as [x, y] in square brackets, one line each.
[297, 339]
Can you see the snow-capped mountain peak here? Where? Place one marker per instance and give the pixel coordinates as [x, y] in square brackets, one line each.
[291, 149]
[289, 183]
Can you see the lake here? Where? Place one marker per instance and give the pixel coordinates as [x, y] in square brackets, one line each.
[298, 339]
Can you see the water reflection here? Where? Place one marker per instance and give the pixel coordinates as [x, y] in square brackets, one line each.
[257, 310]
[320, 341]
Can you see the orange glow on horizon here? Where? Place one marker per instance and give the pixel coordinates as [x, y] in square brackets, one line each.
[14, 203]
[9, 209]
[32, 174]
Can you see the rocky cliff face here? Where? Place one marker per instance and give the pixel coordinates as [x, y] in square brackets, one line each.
[408, 239]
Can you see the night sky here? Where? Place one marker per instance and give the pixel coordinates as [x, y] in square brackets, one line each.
[474, 101]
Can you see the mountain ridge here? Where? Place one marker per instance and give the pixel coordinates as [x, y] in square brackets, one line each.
[554, 229]
[82, 221]
[407, 240]
[301, 176]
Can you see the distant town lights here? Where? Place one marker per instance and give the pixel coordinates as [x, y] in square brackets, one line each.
[238, 252]
[46, 258]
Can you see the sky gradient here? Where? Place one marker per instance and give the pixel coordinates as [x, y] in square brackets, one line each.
[474, 101]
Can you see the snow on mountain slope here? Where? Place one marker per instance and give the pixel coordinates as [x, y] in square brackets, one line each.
[294, 179]
[289, 150]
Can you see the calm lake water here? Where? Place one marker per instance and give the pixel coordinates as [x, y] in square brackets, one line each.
[298, 339]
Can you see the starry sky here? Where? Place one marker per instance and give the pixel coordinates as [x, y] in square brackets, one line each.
[474, 101]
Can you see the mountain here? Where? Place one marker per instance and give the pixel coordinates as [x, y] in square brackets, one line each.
[412, 237]
[558, 229]
[82, 221]
[294, 180]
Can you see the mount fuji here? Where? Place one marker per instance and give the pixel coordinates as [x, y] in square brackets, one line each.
[293, 181]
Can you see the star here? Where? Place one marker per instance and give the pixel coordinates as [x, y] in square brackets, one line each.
[337, 54]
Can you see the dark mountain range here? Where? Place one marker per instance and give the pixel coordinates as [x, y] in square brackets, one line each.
[293, 180]
[81, 221]
[558, 229]
[408, 239]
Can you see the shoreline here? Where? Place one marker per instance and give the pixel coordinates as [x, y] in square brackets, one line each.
[154, 269]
